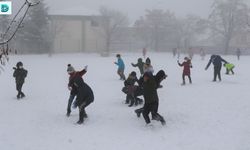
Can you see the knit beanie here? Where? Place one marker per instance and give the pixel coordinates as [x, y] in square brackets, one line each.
[19, 64]
[70, 69]
[148, 61]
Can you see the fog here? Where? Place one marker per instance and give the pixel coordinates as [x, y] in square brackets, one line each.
[132, 8]
[131, 25]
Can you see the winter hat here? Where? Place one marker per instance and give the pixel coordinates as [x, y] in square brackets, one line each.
[133, 73]
[161, 74]
[70, 69]
[19, 64]
[148, 61]
[118, 55]
[186, 58]
[148, 74]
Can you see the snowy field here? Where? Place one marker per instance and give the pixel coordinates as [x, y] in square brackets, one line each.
[203, 116]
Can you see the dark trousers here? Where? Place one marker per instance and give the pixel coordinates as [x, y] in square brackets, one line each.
[228, 71]
[82, 112]
[70, 101]
[140, 110]
[217, 73]
[19, 89]
[183, 78]
[151, 107]
[120, 72]
[130, 99]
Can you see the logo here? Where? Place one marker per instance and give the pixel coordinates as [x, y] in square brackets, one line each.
[5, 8]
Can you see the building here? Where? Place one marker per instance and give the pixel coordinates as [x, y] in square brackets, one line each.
[76, 33]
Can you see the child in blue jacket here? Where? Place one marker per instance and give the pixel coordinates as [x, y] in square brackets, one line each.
[121, 67]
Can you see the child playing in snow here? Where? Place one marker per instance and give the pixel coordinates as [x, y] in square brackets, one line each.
[121, 67]
[73, 90]
[19, 74]
[129, 84]
[130, 89]
[229, 67]
[186, 69]
[148, 67]
[151, 99]
[140, 64]
[84, 97]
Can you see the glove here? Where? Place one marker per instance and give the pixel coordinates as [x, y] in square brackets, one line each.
[86, 67]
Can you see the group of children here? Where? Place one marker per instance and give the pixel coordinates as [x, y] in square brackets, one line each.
[78, 88]
[146, 86]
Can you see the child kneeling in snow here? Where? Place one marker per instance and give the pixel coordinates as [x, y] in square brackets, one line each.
[229, 67]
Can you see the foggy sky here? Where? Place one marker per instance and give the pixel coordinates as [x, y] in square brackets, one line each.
[132, 8]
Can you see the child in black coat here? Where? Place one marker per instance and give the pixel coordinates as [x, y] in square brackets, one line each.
[158, 78]
[151, 99]
[85, 96]
[19, 74]
[130, 89]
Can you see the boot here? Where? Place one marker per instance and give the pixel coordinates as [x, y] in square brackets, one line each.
[138, 113]
[85, 114]
[127, 100]
[160, 118]
[163, 122]
[68, 113]
[79, 121]
[132, 103]
[22, 95]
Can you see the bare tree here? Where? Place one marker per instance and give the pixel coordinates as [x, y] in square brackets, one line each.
[55, 28]
[9, 29]
[4, 22]
[188, 29]
[33, 38]
[111, 21]
[227, 19]
[155, 27]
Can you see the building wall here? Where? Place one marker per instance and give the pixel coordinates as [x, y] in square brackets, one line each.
[76, 34]
[68, 36]
[94, 42]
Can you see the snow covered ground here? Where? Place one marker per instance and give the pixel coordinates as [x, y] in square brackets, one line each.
[203, 116]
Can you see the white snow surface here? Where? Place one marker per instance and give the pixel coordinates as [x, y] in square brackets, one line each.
[203, 116]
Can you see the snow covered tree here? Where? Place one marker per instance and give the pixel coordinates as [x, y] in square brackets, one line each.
[32, 37]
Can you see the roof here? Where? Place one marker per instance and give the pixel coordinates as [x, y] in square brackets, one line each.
[73, 11]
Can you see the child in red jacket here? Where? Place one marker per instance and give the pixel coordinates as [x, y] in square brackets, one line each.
[186, 69]
[73, 89]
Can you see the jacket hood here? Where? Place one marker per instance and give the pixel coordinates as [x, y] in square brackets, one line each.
[160, 74]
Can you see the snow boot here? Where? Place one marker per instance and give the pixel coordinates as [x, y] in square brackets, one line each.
[138, 113]
[68, 113]
[79, 122]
